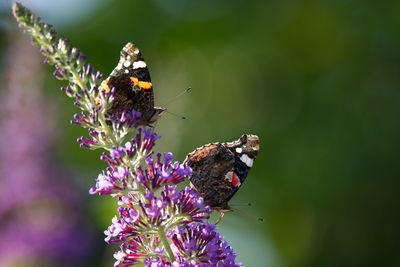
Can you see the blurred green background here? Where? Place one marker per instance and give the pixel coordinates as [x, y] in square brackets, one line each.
[317, 81]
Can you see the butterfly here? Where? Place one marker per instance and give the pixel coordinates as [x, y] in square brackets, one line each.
[219, 169]
[133, 87]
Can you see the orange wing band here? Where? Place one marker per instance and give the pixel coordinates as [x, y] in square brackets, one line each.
[141, 84]
[103, 87]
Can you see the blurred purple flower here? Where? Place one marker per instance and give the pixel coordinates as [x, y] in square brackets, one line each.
[39, 219]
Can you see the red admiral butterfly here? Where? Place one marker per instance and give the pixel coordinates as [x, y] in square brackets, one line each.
[219, 169]
[134, 89]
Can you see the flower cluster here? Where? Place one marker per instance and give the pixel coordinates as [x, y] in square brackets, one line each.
[120, 123]
[200, 245]
[142, 216]
[140, 249]
[157, 223]
[125, 174]
[192, 245]
[162, 172]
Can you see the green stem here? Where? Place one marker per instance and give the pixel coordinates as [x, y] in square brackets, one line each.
[107, 130]
[77, 78]
[165, 242]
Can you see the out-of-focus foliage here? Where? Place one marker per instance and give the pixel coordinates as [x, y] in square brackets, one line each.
[317, 81]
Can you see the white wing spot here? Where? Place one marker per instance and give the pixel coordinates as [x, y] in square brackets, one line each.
[239, 150]
[247, 160]
[127, 64]
[139, 64]
[228, 176]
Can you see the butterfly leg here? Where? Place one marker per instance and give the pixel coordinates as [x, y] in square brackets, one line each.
[220, 217]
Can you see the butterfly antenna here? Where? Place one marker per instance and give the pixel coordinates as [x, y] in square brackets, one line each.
[251, 215]
[177, 96]
[241, 204]
[176, 115]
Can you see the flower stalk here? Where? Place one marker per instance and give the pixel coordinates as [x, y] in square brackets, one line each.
[165, 243]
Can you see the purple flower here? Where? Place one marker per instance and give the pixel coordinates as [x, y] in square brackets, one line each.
[190, 245]
[117, 153]
[141, 216]
[153, 212]
[114, 159]
[146, 143]
[157, 262]
[60, 73]
[125, 228]
[113, 182]
[132, 251]
[82, 119]
[118, 178]
[113, 230]
[86, 142]
[118, 121]
[162, 173]
[125, 118]
[203, 243]
[186, 202]
[196, 245]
